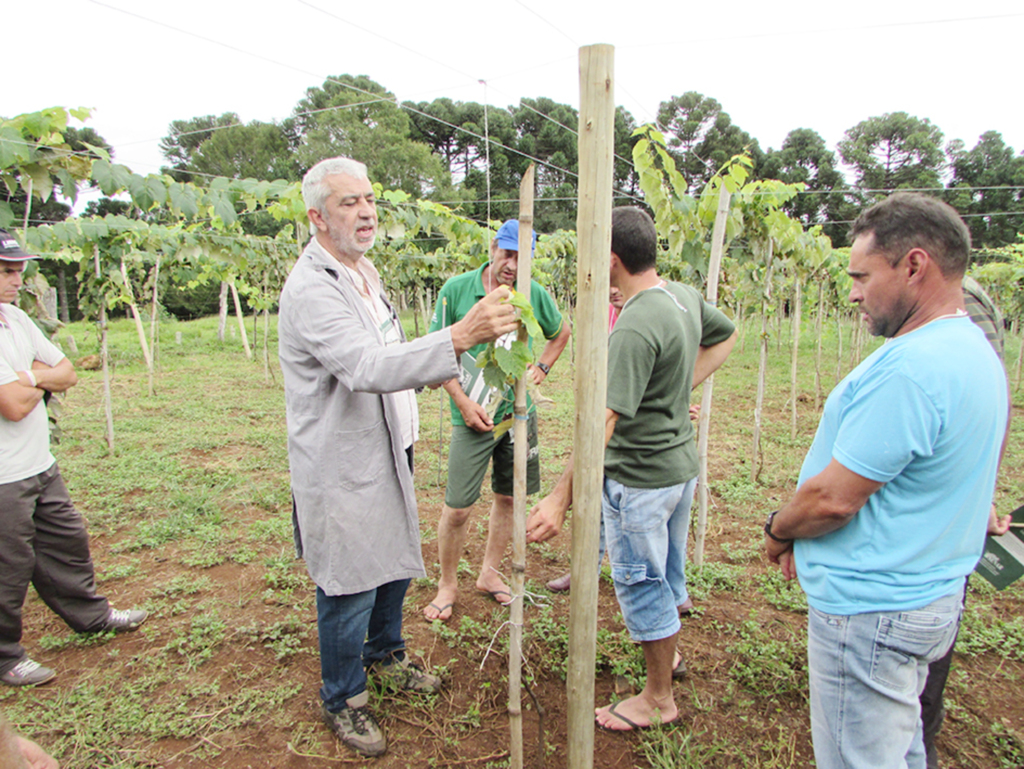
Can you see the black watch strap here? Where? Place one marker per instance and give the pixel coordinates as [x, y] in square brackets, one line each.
[768, 530]
[544, 367]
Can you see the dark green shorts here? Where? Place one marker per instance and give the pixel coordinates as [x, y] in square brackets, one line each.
[469, 454]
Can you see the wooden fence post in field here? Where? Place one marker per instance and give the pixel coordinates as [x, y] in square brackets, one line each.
[222, 310]
[594, 233]
[714, 269]
[108, 408]
[521, 448]
[241, 319]
[756, 459]
[154, 328]
[137, 318]
[794, 353]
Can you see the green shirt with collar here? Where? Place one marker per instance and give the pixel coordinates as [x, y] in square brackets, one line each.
[457, 297]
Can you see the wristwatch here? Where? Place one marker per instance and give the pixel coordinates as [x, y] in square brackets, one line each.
[543, 367]
[768, 530]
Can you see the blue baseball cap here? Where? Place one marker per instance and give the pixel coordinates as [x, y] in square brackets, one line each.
[508, 236]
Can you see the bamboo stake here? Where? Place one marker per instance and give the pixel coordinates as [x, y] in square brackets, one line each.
[139, 328]
[108, 408]
[222, 311]
[1020, 357]
[28, 205]
[593, 228]
[762, 366]
[440, 402]
[819, 321]
[521, 448]
[794, 342]
[714, 268]
[241, 319]
[154, 328]
[266, 330]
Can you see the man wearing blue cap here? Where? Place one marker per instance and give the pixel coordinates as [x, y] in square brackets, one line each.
[473, 444]
[43, 540]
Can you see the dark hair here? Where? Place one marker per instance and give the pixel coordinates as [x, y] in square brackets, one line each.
[907, 220]
[634, 239]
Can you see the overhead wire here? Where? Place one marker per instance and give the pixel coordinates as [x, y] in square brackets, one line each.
[487, 139]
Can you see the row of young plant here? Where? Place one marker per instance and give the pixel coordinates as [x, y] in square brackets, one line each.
[194, 235]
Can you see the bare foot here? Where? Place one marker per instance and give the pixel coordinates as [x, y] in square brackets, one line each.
[635, 713]
[441, 607]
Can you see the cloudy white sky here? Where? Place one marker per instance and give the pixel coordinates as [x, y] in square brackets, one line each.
[774, 66]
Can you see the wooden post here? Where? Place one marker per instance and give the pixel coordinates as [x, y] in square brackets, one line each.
[762, 364]
[137, 318]
[154, 328]
[521, 448]
[108, 408]
[714, 269]
[794, 342]
[594, 234]
[241, 319]
[222, 310]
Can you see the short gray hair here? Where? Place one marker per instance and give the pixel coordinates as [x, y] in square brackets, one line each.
[314, 189]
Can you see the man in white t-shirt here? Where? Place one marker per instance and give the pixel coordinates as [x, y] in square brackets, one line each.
[43, 540]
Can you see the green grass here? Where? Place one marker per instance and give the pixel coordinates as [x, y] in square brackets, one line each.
[191, 517]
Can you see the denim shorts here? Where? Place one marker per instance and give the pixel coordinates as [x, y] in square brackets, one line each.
[646, 532]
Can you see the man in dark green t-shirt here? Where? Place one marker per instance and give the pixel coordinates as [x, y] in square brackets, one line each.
[666, 341]
[476, 409]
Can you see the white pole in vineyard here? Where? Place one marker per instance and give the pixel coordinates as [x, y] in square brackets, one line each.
[222, 311]
[241, 318]
[108, 408]
[704, 425]
[521, 447]
[762, 364]
[794, 341]
[594, 233]
[137, 317]
[154, 329]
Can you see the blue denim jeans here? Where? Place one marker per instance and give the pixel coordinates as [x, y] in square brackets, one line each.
[356, 631]
[866, 674]
[646, 532]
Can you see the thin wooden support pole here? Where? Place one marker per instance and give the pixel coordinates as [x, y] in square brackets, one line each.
[241, 318]
[594, 233]
[521, 448]
[108, 406]
[704, 425]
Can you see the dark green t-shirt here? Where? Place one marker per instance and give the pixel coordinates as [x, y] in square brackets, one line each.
[651, 355]
[457, 297]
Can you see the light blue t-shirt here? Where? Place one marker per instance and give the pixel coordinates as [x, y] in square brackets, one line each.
[925, 414]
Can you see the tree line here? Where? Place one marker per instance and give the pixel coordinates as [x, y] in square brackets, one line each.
[442, 150]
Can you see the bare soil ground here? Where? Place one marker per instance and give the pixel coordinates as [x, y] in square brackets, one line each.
[226, 672]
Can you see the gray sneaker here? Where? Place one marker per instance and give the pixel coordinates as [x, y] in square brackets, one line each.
[356, 727]
[406, 676]
[126, 619]
[27, 673]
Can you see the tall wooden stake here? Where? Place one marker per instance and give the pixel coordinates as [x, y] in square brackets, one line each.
[108, 407]
[241, 318]
[794, 341]
[594, 233]
[704, 425]
[521, 448]
[762, 365]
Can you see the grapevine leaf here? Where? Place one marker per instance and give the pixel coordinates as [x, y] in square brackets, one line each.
[506, 361]
[502, 427]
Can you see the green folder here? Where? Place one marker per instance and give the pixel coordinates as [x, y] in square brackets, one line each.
[1003, 560]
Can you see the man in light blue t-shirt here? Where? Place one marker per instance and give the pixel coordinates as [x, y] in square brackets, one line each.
[893, 498]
